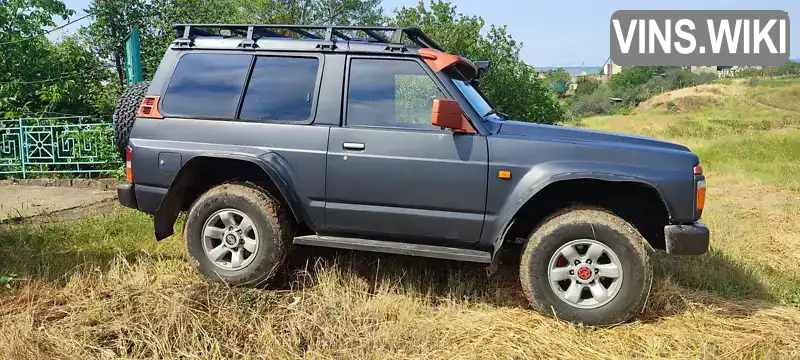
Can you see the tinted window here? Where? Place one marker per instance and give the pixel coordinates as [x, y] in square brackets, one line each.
[206, 85]
[393, 93]
[281, 88]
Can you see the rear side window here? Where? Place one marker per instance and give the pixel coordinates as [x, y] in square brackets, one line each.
[206, 85]
[390, 93]
[281, 89]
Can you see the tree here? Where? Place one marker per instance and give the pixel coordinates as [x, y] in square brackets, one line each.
[41, 77]
[112, 23]
[586, 86]
[347, 12]
[558, 80]
[509, 83]
[634, 76]
[113, 20]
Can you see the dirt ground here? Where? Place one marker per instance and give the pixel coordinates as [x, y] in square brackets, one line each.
[23, 201]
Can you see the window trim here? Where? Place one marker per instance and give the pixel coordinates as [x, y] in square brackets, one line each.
[346, 93]
[253, 56]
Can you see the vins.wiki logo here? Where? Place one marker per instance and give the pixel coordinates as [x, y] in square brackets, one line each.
[699, 37]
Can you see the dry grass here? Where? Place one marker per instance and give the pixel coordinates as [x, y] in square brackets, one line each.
[348, 308]
[102, 288]
[686, 99]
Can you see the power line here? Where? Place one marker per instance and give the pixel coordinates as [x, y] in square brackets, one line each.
[46, 32]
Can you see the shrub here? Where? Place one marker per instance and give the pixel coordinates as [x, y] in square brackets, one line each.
[586, 87]
[704, 78]
[589, 105]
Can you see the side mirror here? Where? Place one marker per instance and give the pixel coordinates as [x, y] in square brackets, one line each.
[447, 114]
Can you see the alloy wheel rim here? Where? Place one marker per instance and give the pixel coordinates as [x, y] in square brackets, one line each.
[230, 239]
[585, 273]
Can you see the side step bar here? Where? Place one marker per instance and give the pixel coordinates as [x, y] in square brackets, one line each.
[391, 247]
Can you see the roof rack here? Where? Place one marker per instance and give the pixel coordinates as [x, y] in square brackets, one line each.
[187, 32]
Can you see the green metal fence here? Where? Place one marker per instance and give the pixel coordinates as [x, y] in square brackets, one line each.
[56, 145]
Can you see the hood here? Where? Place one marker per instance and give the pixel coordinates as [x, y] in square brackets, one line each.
[562, 133]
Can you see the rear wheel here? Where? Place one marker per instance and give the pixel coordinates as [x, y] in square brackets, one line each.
[237, 234]
[586, 265]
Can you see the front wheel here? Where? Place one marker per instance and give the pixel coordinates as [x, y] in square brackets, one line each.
[586, 265]
[237, 234]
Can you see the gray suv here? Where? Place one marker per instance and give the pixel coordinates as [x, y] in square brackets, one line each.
[273, 135]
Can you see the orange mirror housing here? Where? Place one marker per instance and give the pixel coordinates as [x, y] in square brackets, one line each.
[447, 113]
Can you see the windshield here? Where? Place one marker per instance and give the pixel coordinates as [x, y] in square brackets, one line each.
[475, 99]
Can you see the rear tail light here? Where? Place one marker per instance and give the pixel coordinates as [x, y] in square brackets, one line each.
[700, 202]
[698, 170]
[149, 108]
[128, 168]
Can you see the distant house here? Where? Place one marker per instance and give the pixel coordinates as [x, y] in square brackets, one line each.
[590, 74]
[610, 70]
[541, 73]
[721, 71]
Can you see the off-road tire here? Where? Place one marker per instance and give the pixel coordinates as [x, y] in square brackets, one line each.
[596, 224]
[270, 218]
[125, 114]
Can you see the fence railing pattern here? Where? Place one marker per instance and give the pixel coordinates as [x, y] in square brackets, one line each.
[69, 145]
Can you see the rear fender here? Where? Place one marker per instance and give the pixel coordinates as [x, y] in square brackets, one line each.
[277, 169]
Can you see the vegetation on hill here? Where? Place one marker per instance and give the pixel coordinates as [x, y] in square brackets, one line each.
[102, 287]
[634, 85]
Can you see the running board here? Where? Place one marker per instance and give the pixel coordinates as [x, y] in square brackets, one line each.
[391, 247]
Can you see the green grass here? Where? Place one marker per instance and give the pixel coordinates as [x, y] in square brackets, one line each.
[770, 158]
[54, 252]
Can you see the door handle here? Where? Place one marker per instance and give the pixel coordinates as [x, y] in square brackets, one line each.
[354, 146]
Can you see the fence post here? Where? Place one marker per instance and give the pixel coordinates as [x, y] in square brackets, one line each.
[22, 147]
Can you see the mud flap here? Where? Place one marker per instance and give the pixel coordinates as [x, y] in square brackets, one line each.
[167, 213]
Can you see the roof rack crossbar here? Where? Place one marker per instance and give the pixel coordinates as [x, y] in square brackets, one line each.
[339, 34]
[377, 36]
[307, 34]
[415, 35]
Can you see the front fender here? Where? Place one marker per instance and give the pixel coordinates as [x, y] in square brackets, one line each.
[664, 181]
[276, 167]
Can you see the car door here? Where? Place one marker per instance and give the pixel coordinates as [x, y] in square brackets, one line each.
[390, 173]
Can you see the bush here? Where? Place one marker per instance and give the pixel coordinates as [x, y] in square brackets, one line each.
[590, 105]
[632, 96]
[621, 109]
[586, 87]
[704, 78]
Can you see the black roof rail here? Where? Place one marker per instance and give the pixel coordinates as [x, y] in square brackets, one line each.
[187, 32]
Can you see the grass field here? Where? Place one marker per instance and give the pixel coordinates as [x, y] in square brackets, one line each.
[101, 287]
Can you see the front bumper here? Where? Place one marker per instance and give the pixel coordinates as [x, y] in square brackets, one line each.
[690, 239]
[126, 195]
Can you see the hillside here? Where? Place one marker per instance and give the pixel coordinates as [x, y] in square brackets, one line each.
[102, 288]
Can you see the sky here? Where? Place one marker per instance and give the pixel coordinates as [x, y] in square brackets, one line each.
[567, 33]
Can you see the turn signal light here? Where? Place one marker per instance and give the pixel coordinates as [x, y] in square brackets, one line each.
[701, 195]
